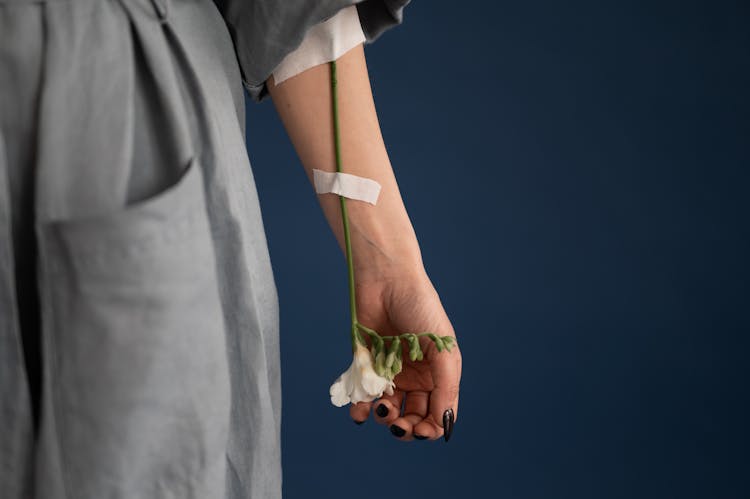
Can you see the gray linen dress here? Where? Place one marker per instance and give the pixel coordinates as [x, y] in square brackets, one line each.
[139, 352]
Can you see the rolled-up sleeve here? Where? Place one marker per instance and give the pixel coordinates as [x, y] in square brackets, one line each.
[265, 31]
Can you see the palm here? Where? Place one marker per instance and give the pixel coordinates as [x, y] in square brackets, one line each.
[415, 375]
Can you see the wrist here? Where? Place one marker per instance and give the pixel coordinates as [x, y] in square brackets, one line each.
[382, 237]
[382, 247]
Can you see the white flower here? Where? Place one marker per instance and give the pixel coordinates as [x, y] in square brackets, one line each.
[360, 382]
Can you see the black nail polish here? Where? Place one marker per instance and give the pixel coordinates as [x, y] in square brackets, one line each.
[447, 424]
[358, 422]
[398, 431]
[381, 411]
[419, 437]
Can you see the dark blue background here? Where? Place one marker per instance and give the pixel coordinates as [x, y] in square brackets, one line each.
[577, 174]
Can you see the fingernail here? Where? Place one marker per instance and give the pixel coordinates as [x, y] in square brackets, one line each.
[381, 411]
[447, 424]
[398, 431]
[358, 422]
[419, 437]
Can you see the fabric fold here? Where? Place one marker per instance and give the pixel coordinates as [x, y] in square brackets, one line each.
[264, 32]
[324, 42]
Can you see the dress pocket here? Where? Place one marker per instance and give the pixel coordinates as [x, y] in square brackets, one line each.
[135, 347]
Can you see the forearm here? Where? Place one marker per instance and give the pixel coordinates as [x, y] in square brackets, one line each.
[382, 236]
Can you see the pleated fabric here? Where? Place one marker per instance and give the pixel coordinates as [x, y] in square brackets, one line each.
[139, 318]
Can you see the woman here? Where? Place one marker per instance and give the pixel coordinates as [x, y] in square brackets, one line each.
[139, 315]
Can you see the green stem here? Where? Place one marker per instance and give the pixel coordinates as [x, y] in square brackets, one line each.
[344, 216]
[356, 326]
[404, 335]
[367, 329]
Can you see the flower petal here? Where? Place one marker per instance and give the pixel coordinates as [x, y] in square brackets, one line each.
[339, 392]
[373, 384]
[360, 395]
[359, 383]
[339, 398]
[389, 388]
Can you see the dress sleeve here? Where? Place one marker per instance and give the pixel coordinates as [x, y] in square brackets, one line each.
[324, 42]
[264, 32]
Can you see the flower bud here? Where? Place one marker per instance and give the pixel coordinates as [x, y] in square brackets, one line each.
[380, 363]
[390, 358]
[413, 346]
[397, 364]
[378, 343]
[448, 341]
[438, 343]
[395, 345]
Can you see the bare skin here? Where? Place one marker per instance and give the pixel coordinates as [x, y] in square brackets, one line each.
[394, 294]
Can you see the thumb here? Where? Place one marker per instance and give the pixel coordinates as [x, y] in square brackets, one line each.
[446, 376]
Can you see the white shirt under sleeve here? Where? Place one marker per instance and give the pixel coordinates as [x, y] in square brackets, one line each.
[323, 43]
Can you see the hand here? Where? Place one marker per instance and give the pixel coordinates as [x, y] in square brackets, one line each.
[407, 302]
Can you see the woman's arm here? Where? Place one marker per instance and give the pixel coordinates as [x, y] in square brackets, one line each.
[382, 235]
[393, 293]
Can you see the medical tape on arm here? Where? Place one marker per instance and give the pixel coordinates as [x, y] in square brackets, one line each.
[347, 185]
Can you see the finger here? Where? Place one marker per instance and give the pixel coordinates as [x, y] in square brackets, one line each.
[446, 374]
[427, 429]
[417, 403]
[415, 409]
[360, 411]
[388, 407]
[401, 427]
